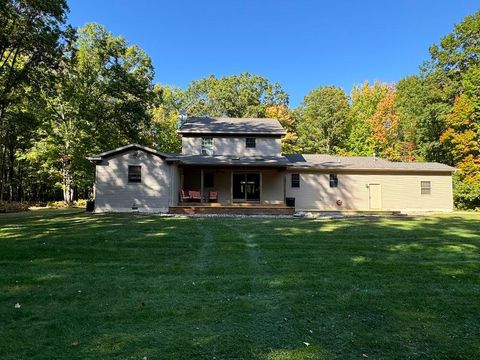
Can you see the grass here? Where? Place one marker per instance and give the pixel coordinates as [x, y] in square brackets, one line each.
[125, 286]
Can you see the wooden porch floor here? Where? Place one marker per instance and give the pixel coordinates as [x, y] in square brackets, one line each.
[231, 208]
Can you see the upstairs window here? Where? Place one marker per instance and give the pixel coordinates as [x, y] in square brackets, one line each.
[134, 174]
[333, 180]
[250, 143]
[207, 146]
[425, 187]
[295, 180]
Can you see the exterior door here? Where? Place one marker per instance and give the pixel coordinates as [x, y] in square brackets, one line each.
[375, 196]
[252, 187]
[246, 186]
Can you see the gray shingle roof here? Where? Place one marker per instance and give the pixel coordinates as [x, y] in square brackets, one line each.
[324, 161]
[224, 125]
[233, 160]
[126, 148]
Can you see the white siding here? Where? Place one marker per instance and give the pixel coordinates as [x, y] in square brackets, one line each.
[399, 191]
[272, 187]
[114, 193]
[265, 146]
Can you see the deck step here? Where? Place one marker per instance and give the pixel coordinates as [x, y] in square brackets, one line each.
[231, 210]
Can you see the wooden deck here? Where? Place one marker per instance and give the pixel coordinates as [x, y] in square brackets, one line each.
[231, 208]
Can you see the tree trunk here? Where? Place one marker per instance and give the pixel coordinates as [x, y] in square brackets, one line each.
[2, 171]
[67, 184]
[11, 171]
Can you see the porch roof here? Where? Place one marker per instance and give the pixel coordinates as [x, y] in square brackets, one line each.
[232, 160]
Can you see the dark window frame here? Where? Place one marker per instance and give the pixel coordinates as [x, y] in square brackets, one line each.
[134, 174]
[295, 180]
[250, 142]
[333, 178]
[425, 190]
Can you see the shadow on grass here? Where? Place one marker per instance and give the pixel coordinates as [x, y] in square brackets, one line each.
[133, 286]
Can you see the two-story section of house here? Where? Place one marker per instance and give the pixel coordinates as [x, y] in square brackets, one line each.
[240, 160]
[233, 163]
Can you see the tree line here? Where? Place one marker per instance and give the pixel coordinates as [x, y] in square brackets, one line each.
[67, 93]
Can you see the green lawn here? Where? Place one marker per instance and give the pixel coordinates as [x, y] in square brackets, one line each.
[127, 287]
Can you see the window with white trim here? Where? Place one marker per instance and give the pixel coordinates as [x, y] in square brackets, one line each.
[207, 145]
[425, 187]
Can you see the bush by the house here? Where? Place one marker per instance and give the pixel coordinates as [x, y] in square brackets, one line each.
[466, 196]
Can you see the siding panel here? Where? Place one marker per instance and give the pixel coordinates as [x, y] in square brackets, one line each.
[114, 193]
[265, 146]
[400, 191]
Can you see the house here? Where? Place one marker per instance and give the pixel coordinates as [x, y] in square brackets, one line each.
[229, 164]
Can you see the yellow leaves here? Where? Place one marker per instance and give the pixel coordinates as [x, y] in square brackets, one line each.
[462, 113]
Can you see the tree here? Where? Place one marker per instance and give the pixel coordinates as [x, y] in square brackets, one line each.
[98, 99]
[31, 34]
[453, 73]
[287, 119]
[365, 101]
[323, 120]
[243, 95]
[165, 116]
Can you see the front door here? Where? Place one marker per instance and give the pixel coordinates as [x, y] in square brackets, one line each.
[246, 186]
[375, 196]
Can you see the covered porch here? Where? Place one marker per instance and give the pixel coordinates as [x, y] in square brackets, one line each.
[234, 190]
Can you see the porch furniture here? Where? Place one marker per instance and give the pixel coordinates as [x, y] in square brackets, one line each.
[183, 196]
[195, 195]
[213, 196]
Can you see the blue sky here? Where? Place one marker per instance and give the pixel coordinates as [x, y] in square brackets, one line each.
[300, 44]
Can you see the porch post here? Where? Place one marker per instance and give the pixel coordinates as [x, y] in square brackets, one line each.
[231, 187]
[201, 185]
[284, 188]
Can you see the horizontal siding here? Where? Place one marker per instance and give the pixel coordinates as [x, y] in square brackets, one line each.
[114, 193]
[265, 146]
[398, 191]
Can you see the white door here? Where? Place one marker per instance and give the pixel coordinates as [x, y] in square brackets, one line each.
[375, 196]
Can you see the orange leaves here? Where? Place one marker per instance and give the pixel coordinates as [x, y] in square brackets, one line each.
[461, 136]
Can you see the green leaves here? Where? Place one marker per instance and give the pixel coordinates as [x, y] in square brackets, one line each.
[323, 118]
[243, 95]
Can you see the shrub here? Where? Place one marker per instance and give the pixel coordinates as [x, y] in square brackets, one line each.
[81, 203]
[13, 206]
[466, 196]
[57, 204]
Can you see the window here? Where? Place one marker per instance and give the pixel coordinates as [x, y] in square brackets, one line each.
[134, 174]
[208, 180]
[295, 180]
[425, 187]
[207, 146]
[333, 180]
[250, 142]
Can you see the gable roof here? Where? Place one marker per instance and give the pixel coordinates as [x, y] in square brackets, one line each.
[125, 148]
[334, 162]
[226, 125]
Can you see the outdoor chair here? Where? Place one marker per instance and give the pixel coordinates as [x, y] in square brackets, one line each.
[213, 196]
[195, 195]
[184, 197]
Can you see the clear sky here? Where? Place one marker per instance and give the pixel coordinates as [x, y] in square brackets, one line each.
[300, 44]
